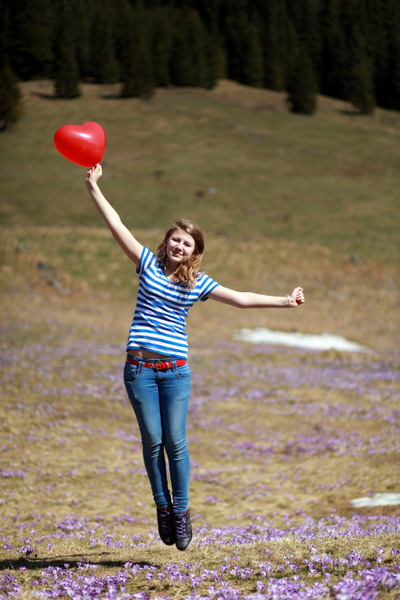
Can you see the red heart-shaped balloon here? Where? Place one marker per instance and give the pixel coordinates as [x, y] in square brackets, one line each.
[83, 144]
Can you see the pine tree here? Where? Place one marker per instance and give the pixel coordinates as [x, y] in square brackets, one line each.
[361, 90]
[312, 37]
[10, 95]
[334, 50]
[272, 19]
[105, 67]
[378, 39]
[306, 19]
[359, 72]
[252, 68]
[199, 53]
[209, 11]
[390, 98]
[302, 97]
[31, 37]
[181, 66]
[161, 45]
[83, 19]
[189, 64]
[349, 24]
[66, 82]
[216, 62]
[136, 61]
[234, 23]
[362, 95]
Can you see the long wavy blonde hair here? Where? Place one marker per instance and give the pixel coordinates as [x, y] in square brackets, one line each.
[188, 271]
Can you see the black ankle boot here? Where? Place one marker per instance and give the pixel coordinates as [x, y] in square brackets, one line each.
[166, 529]
[183, 530]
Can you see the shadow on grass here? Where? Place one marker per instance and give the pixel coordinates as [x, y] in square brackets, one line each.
[45, 95]
[103, 96]
[349, 112]
[67, 562]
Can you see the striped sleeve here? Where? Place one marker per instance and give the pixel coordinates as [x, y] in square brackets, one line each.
[206, 285]
[145, 260]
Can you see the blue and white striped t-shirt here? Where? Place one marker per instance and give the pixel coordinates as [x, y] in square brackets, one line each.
[161, 309]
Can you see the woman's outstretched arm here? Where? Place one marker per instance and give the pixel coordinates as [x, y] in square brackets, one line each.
[129, 244]
[252, 300]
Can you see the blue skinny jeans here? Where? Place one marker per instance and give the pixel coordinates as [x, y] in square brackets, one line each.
[160, 399]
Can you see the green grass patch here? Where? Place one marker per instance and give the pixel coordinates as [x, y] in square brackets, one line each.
[232, 159]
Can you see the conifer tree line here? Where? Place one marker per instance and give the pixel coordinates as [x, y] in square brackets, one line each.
[347, 49]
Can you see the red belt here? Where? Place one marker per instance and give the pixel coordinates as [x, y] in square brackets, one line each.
[168, 364]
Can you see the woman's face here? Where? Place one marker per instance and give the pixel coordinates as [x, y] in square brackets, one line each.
[180, 247]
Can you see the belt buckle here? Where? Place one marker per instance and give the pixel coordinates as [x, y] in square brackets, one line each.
[162, 365]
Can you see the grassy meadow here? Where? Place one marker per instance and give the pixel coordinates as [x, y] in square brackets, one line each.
[281, 439]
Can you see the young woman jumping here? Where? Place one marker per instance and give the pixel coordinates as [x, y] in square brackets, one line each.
[156, 373]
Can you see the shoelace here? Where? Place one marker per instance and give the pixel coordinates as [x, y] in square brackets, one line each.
[180, 525]
[165, 521]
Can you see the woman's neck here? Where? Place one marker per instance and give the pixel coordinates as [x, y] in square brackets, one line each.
[169, 270]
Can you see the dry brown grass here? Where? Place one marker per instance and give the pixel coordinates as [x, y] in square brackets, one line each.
[80, 452]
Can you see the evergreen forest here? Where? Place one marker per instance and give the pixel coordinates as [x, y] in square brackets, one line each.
[347, 49]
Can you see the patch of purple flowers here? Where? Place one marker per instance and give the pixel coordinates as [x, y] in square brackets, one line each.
[354, 575]
[369, 393]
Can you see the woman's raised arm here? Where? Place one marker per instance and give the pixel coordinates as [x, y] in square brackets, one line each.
[129, 244]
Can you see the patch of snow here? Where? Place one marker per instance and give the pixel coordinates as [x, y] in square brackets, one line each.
[376, 500]
[325, 341]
